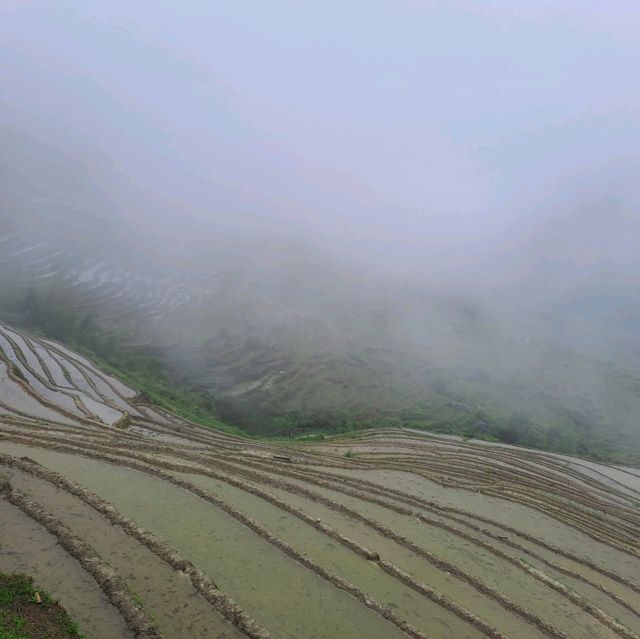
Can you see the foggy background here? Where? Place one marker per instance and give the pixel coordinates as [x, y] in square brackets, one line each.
[455, 182]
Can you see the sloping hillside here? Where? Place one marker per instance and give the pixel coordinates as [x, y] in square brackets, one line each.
[169, 529]
[287, 334]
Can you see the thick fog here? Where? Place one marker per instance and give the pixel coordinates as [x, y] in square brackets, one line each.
[395, 129]
[486, 153]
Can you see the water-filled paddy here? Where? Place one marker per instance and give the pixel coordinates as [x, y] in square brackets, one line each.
[245, 566]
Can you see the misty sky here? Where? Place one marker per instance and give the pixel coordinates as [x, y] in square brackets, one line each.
[415, 123]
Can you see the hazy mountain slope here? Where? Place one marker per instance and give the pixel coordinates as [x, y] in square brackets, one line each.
[276, 326]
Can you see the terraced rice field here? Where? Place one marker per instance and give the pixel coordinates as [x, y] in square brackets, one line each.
[235, 325]
[144, 525]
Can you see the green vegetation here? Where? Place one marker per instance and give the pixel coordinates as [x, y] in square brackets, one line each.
[50, 316]
[568, 435]
[269, 418]
[29, 613]
[558, 427]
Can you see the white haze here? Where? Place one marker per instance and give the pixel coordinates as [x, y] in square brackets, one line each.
[489, 151]
[393, 129]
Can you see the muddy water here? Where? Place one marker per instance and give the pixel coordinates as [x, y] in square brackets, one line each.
[123, 389]
[585, 476]
[620, 613]
[434, 620]
[592, 575]
[588, 591]
[456, 590]
[28, 354]
[632, 496]
[168, 596]
[508, 513]
[603, 490]
[55, 397]
[53, 367]
[26, 547]
[289, 600]
[493, 571]
[559, 459]
[16, 398]
[460, 548]
[630, 480]
[109, 394]
[105, 413]
[102, 411]
[154, 415]
[76, 376]
[162, 437]
[488, 568]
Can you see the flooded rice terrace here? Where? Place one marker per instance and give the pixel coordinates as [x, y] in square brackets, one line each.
[153, 527]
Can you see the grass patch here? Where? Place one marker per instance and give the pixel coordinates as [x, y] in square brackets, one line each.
[27, 612]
